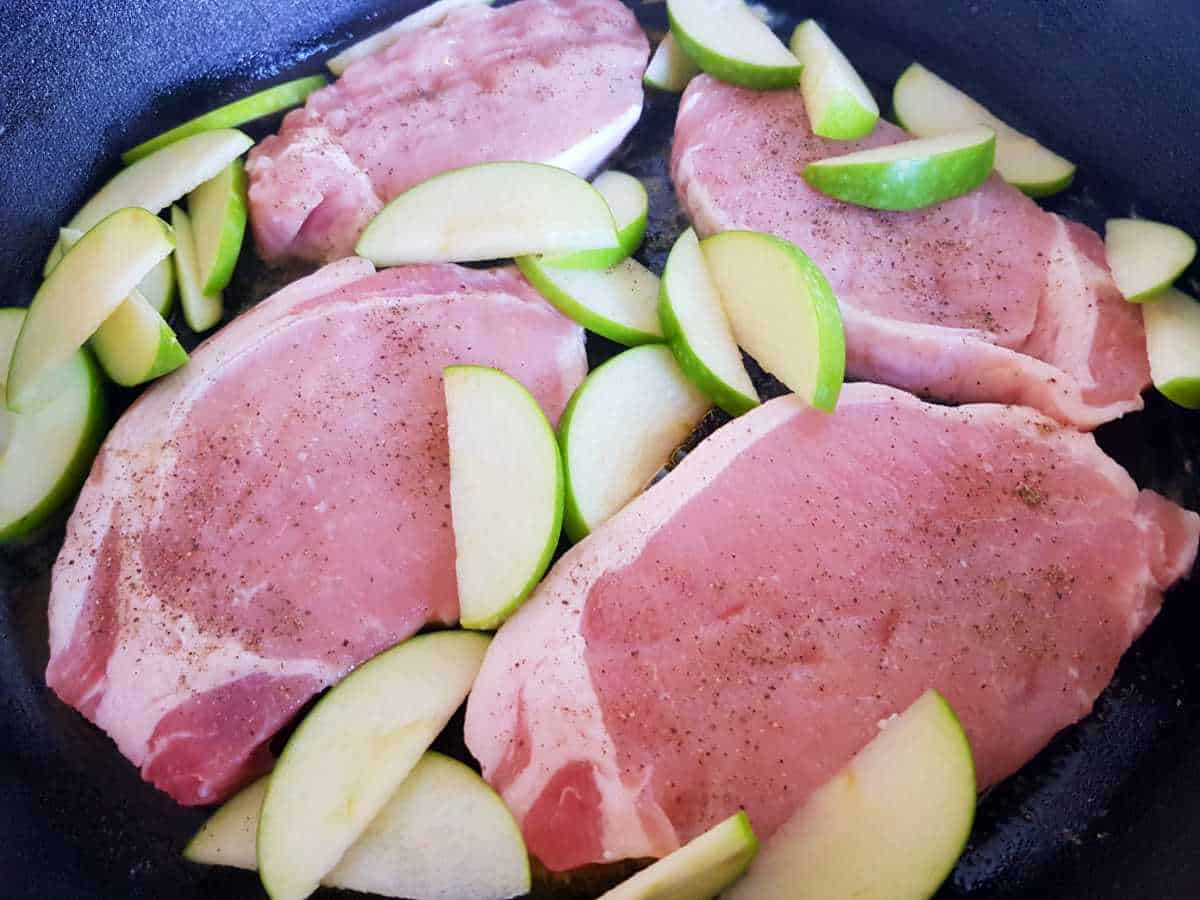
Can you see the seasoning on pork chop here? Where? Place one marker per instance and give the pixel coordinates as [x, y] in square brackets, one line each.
[279, 510]
[734, 636]
[983, 298]
[554, 81]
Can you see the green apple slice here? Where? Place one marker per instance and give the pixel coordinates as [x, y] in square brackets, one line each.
[490, 211]
[1172, 321]
[908, 175]
[927, 106]
[620, 428]
[694, 322]
[256, 106]
[504, 467]
[158, 180]
[218, 212]
[345, 761]
[670, 68]
[630, 206]
[728, 41]
[444, 833]
[782, 311]
[84, 289]
[699, 870]
[1146, 257]
[839, 104]
[380, 41]
[45, 455]
[134, 344]
[890, 826]
[617, 303]
[158, 287]
[201, 310]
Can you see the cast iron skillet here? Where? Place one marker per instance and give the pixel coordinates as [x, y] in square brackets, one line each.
[1111, 809]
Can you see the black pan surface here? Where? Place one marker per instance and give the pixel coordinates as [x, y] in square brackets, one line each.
[1111, 809]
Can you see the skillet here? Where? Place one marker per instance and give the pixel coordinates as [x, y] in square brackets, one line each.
[1111, 809]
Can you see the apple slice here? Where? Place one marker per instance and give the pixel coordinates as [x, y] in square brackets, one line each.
[728, 41]
[432, 14]
[699, 870]
[782, 311]
[201, 310]
[45, 455]
[158, 180]
[927, 106]
[345, 761]
[256, 106]
[695, 324]
[670, 67]
[490, 211]
[630, 206]
[908, 175]
[218, 211]
[92, 280]
[620, 428]
[890, 826]
[1146, 257]
[1172, 321]
[617, 303]
[504, 467]
[158, 287]
[444, 833]
[839, 104]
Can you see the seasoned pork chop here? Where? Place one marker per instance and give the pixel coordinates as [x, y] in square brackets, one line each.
[983, 298]
[278, 511]
[555, 81]
[736, 634]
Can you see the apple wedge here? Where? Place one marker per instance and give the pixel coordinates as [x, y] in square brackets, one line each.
[345, 761]
[670, 67]
[201, 310]
[694, 322]
[90, 282]
[928, 106]
[134, 344]
[444, 834]
[45, 455]
[490, 211]
[728, 41]
[617, 303]
[381, 40]
[158, 180]
[630, 206]
[782, 311]
[256, 106]
[218, 214]
[890, 826]
[620, 428]
[908, 175]
[158, 287]
[504, 467]
[1146, 257]
[699, 870]
[839, 104]
[1172, 321]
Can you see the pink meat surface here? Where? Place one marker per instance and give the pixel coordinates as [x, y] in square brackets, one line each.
[984, 298]
[736, 634]
[555, 81]
[278, 511]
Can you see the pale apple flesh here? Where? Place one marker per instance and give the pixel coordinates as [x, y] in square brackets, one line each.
[630, 205]
[728, 41]
[158, 287]
[218, 214]
[1146, 257]
[838, 102]
[1172, 322]
[670, 67]
[201, 310]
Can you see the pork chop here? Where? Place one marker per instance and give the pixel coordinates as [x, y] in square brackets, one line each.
[278, 511]
[555, 81]
[735, 635]
[984, 298]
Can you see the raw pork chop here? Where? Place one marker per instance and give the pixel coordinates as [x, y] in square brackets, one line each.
[984, 298]
[555, 81]
[734, 636]
[278, 511]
